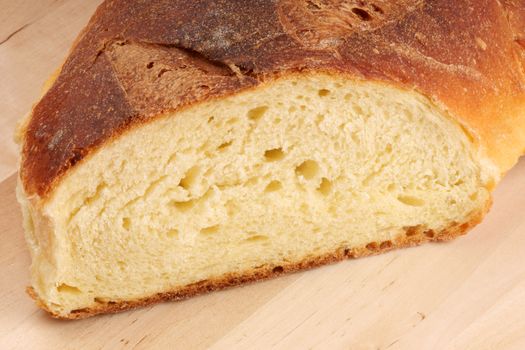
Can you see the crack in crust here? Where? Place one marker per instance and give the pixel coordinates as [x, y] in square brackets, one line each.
[184, 75]
[414, 235]
[324, 24]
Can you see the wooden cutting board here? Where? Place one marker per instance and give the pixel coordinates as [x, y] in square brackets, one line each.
[467, 294]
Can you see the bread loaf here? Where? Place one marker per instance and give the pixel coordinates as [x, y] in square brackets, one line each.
[189, 146]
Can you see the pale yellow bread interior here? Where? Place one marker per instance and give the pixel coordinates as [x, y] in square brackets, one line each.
[297, 168]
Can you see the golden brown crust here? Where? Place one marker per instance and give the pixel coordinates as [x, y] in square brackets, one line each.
[137, 60]
[413, 236]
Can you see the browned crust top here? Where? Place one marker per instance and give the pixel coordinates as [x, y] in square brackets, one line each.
[138, 59]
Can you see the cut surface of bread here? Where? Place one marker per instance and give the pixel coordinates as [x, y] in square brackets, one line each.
[301, 168]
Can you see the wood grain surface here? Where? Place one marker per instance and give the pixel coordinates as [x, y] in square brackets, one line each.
[467, 294]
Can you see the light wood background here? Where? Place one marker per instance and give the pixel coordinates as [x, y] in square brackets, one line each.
[468, 294]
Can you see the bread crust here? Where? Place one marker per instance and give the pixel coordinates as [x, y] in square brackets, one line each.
[137, 60]
[413, 236]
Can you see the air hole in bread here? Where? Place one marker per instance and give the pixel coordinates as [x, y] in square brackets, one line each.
[362, 14]
[459, 182]
[323, 92]
[150, 65]
[273, 155]
[101, 300]
[66, 288]
[173, 233]
[312, 5]
[278, 269]
[377, 9]
[325, 187]
[372, 246]
[429, 233]
[224, 145]
[256, 238]
[184, 206]
[252, 181]
[411, 231]
[257, 113]
[411, 200]
[232, 121]
[78, 154]
[385, 245]
[126, 223]
[307, 169]
[273, 186]
[362, 112]
[210, 230]
[190, 178]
